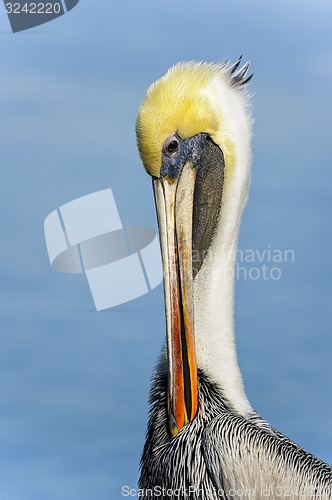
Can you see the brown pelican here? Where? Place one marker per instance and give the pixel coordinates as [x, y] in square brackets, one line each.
[204, 440]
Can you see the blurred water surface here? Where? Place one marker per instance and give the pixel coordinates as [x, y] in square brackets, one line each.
[74, 383]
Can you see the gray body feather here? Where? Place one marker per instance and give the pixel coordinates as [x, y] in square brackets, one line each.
[223, 455]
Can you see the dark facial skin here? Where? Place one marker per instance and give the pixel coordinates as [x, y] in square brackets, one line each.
[209, 163]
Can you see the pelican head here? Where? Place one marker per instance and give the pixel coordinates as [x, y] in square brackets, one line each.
[193, 131]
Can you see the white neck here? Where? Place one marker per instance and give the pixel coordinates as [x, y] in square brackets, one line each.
[214, 323]
[214, 284]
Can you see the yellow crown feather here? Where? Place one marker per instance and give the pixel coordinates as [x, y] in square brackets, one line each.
[178, 102]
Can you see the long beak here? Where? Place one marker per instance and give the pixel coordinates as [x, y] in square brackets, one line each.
[174, 203]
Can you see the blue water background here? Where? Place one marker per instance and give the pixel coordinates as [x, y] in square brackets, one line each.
[73, 382]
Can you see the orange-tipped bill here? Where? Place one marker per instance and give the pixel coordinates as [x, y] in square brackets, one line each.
[174, 203]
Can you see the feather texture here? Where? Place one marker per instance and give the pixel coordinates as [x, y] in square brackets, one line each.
[221, 454]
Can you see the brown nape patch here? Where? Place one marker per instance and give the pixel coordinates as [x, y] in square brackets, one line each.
[207, 200]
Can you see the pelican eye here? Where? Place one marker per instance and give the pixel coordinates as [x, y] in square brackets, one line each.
[172, 146]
